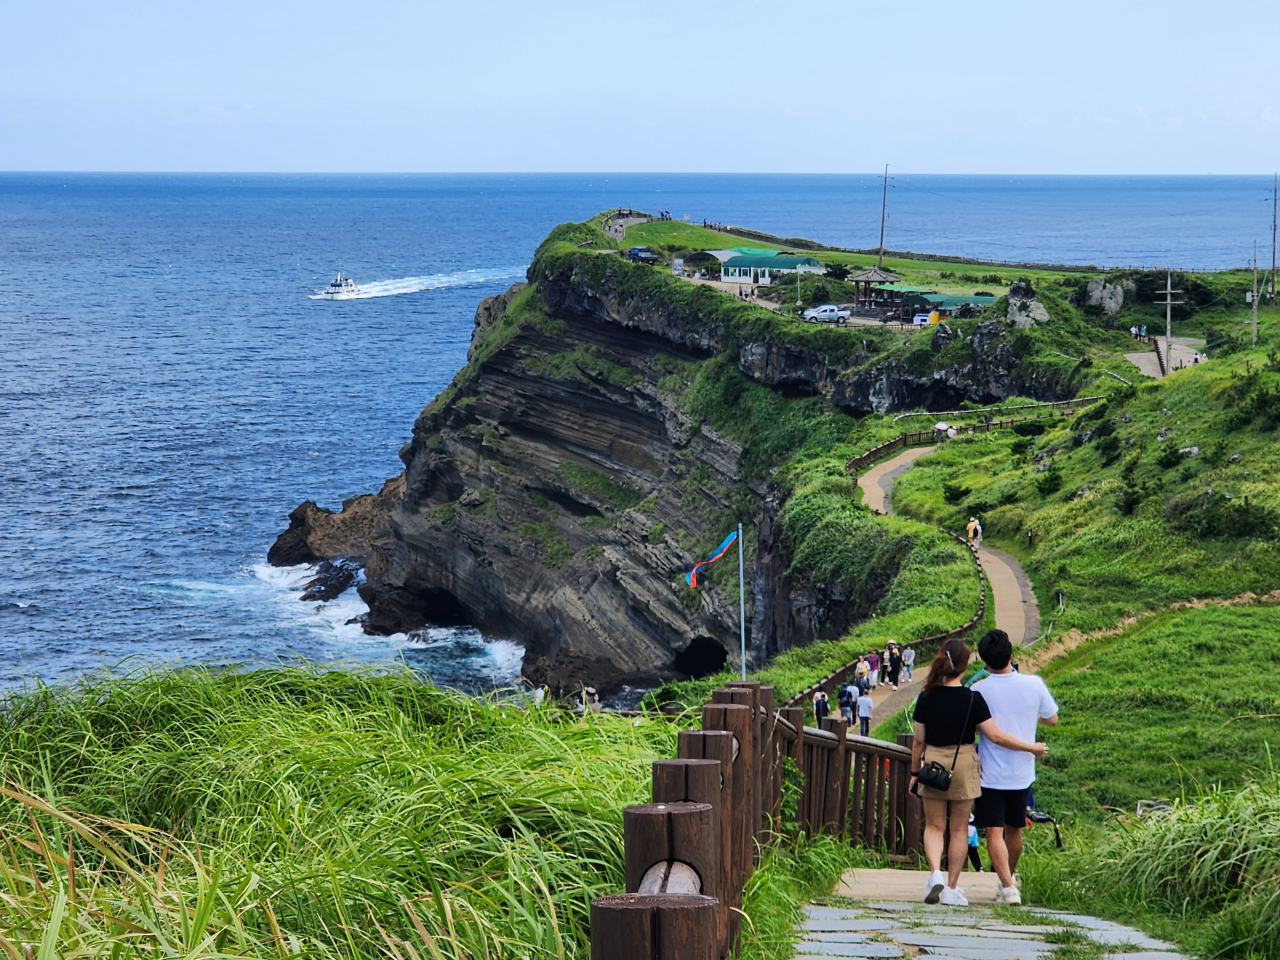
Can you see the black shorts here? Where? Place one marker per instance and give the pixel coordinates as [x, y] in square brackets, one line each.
[1001, 808]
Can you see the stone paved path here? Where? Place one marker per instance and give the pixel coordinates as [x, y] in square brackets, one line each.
[869, 926]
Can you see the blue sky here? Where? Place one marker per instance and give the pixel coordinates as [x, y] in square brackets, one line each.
[485, 85]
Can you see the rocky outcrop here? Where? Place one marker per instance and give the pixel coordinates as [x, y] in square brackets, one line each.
[489, 312]
[359, 532]
[556, 493]
[1024, 309]
[1099, 293]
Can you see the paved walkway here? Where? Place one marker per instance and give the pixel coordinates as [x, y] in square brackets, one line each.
[1016, 610]
[879, 913]
[1185, 351]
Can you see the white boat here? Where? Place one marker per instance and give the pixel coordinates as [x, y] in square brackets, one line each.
[342, 288]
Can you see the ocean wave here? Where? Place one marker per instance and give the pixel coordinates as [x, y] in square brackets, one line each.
[462, 278]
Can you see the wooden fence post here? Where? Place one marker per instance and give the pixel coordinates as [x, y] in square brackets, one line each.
[747, 693]
[739, 719]
[704, 748]
[667, 926]
[671, 847]
[837, 814]
[913, 810]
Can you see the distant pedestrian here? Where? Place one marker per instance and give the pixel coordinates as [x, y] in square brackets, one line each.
[979, 543]
[846, 703]
[821, 706]
[895, 665]
[860, 671]
[939, 431]
[974, 857]
[908, 662]
[873, 668]
[972, 529]
[884, 664]
[864, 713]
[952, 433]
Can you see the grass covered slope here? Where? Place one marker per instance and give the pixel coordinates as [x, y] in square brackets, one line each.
[298, 812]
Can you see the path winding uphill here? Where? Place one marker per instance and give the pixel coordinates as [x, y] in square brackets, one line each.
[878, 913]
[1017, 612]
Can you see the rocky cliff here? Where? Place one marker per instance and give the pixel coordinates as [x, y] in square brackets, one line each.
[557, 491]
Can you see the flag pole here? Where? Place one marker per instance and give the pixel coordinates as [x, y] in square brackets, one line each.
[742, 604]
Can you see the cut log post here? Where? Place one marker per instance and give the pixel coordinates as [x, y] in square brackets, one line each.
[633, 926]
[658, 836]
[737, 719]
[712, 746]
[747, 693]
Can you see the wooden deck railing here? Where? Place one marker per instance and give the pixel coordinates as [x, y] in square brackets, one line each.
[1155, 342]
[690, 852]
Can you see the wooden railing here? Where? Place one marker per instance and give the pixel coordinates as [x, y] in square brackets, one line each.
[1155, 342]
[923, 438]
[690, 852]
[841, 674]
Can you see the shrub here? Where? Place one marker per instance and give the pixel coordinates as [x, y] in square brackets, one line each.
[1050, 481]
[953, 492]
[1030, 428]
[1169, 458]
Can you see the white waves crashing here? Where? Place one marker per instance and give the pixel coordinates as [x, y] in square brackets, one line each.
[462, 278]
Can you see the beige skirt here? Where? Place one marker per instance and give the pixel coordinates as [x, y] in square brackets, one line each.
[966, 778]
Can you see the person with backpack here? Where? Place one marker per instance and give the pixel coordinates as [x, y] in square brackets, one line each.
[821, 707]
[1017, 701]
[945, 770]
[846, 703]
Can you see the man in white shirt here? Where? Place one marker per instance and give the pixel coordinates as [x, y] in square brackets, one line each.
[1018, 702]
[864, 705]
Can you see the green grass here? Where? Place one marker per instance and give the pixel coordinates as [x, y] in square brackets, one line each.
[300, 812]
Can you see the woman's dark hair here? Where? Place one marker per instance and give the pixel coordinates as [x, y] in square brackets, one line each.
[951, 662]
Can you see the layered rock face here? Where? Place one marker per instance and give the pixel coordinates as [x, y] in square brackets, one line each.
[556, 493]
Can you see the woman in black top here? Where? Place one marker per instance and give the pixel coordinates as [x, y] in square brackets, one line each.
[947, 716]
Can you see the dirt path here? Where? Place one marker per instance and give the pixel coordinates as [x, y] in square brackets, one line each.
[1016, 610]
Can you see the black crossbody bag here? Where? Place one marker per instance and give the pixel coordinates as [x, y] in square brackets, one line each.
[935, 775]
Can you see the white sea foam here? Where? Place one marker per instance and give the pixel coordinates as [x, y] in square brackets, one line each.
[462, 278]
[469, 653]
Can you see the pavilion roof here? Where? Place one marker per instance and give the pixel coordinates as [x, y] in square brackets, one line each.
[874, 275]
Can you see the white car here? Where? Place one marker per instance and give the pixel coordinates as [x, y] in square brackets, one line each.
[827, 313]
[921, 319]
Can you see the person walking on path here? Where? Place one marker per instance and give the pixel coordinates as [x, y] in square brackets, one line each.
[895, 665]
[947, 716]
[884, 664]
[908, 663]
[860, 672]
[846, 703]
[975, 532]
[821, 707]
[873, 668]
[974, 857]
[864, 714]
[1017, 701]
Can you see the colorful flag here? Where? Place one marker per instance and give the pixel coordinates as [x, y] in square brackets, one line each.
[691, 577]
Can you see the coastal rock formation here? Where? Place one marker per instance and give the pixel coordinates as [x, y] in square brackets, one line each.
[557, 491]
[1024, 309]
[359, 532]
[1099, 293]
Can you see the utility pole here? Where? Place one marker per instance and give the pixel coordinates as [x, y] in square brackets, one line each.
[1275, 195]
[1254, 298]
[1168, 321]
[884, 205]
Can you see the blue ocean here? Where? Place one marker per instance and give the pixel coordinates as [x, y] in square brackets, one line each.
[169, 391]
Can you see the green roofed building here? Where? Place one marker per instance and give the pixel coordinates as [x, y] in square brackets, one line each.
[764, 269]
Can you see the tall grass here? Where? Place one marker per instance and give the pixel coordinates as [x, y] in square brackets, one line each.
[298, 811]
[1206, 872]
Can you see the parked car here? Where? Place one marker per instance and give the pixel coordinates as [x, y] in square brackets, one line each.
[642, 255]
[827, 313]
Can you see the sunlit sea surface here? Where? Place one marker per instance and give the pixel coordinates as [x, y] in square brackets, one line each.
[169, 391]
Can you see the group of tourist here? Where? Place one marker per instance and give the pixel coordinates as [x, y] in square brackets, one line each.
[992, 779]
[890, 665]
[973, 756]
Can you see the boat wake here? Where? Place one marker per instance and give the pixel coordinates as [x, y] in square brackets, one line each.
[462, 278]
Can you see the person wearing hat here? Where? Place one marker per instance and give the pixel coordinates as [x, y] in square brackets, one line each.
[975, 532]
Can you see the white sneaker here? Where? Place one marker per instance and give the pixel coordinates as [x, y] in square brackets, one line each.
[953, 897]
[934, 885]
[1009, 897]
